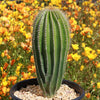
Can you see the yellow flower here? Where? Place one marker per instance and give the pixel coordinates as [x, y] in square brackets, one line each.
[94, 25]
[15, 14]
[70, 1]
[2, 6]
[90, 53]
[92, 13]
[8, 89]
[76, 57]
[17, 72]
[87, 30]
[50, 4]
[42, 4]
[87, 50]
[20, 64]
[98, 51]
[1, 69]
[22, 79]
[29, 74]
[0, 40]
[91, 5]
[79, 8]
[88, 36]
[92, 56]
[75, 46]
[4, 90]
[91, 18]
[14, 44]
[3, 18]
[83, 45]
[2, 54]
[64, 8]
[20, 17]
[98, 65]
[18, 68]
[95, 75]
[98, 85]
[83, 26]
[85, 3]
[74, 22]
[33, 4]
[28, 35]
[36, 2]
[71, 35]
[81, 68]
[4, 83]
[55, 2]
[27, 9]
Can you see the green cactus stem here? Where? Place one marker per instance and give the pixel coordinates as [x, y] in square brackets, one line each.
[50, 44]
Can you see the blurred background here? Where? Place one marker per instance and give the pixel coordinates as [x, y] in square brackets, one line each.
[16, 55]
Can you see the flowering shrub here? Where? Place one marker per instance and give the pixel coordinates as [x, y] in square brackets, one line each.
[16, 55]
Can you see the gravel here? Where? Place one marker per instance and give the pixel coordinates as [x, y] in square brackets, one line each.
[34, 92]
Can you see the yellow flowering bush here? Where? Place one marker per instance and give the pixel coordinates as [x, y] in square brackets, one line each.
[75, 46]
[81, 68]
[91, 54]
[76, 57]
[98, 85]
[16, 55]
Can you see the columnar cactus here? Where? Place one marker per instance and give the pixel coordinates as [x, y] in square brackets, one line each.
[50, 44]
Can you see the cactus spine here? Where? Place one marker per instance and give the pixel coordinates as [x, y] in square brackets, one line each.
[50, 44]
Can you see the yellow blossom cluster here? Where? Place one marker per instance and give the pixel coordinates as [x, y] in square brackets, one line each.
[90, 53]
[86, 31]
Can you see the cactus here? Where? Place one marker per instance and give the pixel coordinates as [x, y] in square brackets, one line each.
[50, 43]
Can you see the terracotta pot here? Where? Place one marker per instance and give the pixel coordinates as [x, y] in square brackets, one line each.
[25, 83]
